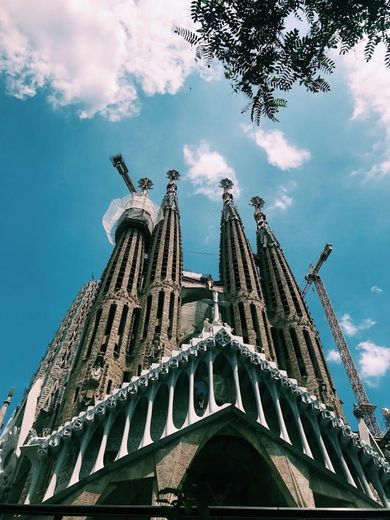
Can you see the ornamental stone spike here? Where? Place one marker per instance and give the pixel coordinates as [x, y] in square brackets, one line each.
[227, 197]
[145, 184]
[258, 203]
[3, 409]
[226, 184]
[173, 175]
[170, 198]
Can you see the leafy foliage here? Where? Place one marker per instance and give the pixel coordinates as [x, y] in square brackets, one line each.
[263, 52]
[183, 498]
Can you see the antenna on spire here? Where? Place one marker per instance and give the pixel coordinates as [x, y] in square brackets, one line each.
[119, 163]
[145, 184]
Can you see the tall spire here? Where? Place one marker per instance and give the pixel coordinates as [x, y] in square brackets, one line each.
[240, 278]
[170, 198]
[297, 343]
[4, 408]
[103, 360]
[159, 323]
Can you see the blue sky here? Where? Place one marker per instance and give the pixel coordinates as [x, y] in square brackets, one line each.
[80, 83]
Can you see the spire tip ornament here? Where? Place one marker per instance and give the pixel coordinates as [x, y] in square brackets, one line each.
[173, 175]
[226, 184]
[145, 184]
[170, 200]
[257, 202]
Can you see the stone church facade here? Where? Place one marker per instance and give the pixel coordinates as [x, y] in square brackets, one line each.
[163, 378]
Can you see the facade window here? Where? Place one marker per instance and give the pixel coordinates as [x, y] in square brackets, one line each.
[76, 394]
[244, 325]
[298, 353]
[171, 314]
[147, 316]
[313, 357]
[133, 329]
[110, 319]
[95, 328]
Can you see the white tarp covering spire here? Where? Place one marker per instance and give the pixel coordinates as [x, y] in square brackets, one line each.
[140, 203]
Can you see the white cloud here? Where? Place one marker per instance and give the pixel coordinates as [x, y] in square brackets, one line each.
[333, 356]
[206, 169]
[370, 87]
[351, 329]
[374, 360]
[280, 152]
[212, 234]
[96, 56]
[282, 201]
[376, 289]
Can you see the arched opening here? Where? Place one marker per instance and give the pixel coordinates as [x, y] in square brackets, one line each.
[201, 389]
[247, 393]
[269, 408]
[70, 461]
[91, 452]
[137, 426]
[291, 424]
[229, 471]
[180, 400]
[114, 438]
[160, 412]
[312, 439]
[20, 484]
[224, 388]
[336, 462]
[352, 469]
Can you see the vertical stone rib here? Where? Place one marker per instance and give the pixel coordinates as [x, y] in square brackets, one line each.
[240, 278]
[297, 344]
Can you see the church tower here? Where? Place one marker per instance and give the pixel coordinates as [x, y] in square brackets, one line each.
[234, 412]
[240, 278]
[158, 329]
[103, 361]
[297, 343]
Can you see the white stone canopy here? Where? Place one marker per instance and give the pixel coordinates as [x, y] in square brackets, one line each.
[364, 468]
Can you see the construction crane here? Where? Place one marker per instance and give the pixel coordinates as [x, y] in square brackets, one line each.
[119, 163]
[363, 409]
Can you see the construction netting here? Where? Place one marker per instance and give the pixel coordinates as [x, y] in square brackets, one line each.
[139, 204]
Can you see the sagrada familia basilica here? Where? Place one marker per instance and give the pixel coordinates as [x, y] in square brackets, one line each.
[162, 378]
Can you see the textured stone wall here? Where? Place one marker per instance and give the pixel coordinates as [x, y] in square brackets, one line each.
[296, 340]
[103, 357]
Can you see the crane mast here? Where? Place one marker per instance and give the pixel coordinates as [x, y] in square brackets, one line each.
[119, 163]
[363, 408]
